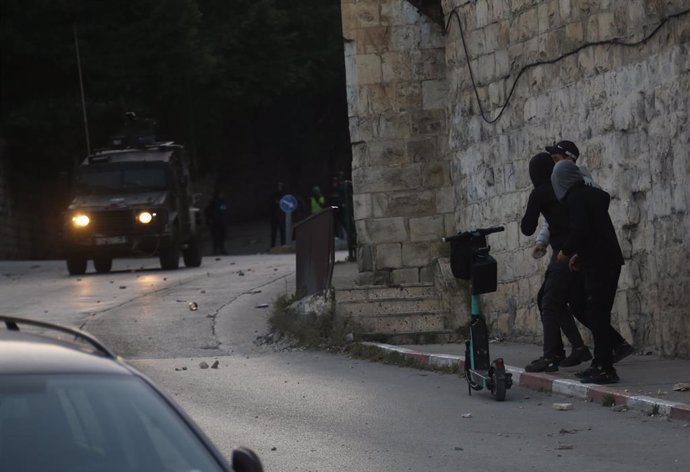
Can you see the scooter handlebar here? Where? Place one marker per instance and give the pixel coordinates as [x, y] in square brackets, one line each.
[473, 233]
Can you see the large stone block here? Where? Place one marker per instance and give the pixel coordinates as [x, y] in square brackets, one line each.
[408, 96]
[384, 179]
[429, 228]
[434, 94]
[373, 40]
[405, 276]
[428, 122]
[385, 230]
[431, 36]
[423, 150]
[416, 254]
[405, 38]
[435, 174]
[375, 99]
[397, 67]
[368, 68]
[388, 256]
[365, 259]
[387, 153]
[362, 205]
[390, 126]
[417, 203]
[430, 65]
[360, 154]
[445, 201]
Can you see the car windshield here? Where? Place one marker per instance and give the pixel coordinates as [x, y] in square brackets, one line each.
[93, 423]
[111, 178]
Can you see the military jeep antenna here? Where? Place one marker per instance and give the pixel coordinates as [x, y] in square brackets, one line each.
[81, 88]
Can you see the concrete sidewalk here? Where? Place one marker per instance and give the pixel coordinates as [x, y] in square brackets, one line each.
[647, 381]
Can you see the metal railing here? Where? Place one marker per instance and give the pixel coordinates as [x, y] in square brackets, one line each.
[315, 252]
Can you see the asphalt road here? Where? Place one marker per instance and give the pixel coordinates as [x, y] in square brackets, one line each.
[315, 411]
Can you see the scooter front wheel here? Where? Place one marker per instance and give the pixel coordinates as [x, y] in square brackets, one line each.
[498, 380]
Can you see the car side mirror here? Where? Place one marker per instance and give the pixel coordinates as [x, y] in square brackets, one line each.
[246, 460]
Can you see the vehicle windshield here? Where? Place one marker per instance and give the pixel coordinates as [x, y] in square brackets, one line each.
[106, 179]
[93, 423]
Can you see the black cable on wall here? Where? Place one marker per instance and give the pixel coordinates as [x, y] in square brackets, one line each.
[615, 41]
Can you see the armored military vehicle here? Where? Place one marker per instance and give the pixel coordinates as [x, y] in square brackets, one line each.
[132, 200]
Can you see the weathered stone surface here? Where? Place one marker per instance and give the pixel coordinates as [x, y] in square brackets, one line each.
[429, 228]
[626, 108]
[368, 67]
[409, 203]
[388, 256]
[405, 276]
[434, 94]
[416, 254]
[380, 178]
[385, 230]
[423, 150]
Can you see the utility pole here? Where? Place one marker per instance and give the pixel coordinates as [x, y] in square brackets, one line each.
[81, 88]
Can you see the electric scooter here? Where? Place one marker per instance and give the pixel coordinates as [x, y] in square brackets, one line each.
[470, 260]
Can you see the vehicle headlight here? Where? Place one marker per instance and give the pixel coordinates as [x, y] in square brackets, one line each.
[80, 221]
[145, 217]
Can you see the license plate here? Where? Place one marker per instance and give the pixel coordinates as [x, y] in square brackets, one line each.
[102, 241]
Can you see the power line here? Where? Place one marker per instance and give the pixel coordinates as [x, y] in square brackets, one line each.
[615, 41]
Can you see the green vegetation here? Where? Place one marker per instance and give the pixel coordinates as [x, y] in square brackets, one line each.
[608, 400]
[308, 331]
[208, 70]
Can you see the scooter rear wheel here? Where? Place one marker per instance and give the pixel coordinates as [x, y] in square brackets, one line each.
[498, 381]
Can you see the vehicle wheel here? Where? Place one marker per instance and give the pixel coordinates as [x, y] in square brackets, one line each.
[170, 256]
[192, 253]
[103, 264]
[76, 265]
[498, 380]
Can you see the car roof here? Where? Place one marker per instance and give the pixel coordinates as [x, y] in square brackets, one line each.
[31, 353]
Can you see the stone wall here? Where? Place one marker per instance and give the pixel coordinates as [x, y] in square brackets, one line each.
[625, 107]
[397, 94]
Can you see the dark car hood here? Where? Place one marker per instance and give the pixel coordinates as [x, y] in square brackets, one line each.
[118, 201]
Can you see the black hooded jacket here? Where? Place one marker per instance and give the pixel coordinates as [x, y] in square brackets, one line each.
[543, 200]
[592, 234]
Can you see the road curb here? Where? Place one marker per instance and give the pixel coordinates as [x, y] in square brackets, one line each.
[551, 384]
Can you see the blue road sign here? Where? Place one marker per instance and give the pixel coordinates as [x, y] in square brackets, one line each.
[288, 203]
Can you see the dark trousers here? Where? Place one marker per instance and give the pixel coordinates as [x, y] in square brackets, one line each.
[577, 308]
[278, 225]
[601, 283]
[555, 313]
[218, 236]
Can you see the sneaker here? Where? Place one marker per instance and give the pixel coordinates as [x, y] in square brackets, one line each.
[601, 376]
[577, 357]
[587, 372]
[543, 364]
[622, 351]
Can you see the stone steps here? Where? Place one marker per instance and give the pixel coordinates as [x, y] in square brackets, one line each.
[401, 313]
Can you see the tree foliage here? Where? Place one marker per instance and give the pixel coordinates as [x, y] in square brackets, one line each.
[194, 65]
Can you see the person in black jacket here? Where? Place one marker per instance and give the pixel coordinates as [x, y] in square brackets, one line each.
[592, 247]
[553, 295]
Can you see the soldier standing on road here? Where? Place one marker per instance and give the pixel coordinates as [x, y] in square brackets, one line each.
[216, 218]
[317, 201]
[592, 247]
[277, 216]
